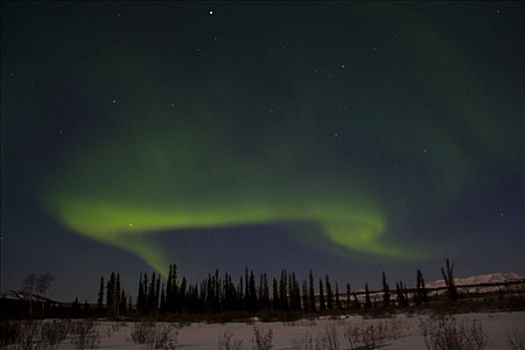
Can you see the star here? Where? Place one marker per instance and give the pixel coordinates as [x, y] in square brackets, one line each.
[211, 12]
[114, 101]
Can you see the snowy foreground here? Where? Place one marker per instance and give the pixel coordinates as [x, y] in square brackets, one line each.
[404, 332]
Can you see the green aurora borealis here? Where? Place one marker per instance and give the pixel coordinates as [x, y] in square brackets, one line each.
[351, 118]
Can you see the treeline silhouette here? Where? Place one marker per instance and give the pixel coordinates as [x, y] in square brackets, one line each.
[221, 297]
[250, 293]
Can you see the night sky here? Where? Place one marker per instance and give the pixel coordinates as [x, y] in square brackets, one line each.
[349, 138]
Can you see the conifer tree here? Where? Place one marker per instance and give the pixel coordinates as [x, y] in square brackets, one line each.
[151, 294]
[275, 295]
[140, 295]
[260, 292]
[116, 297]
[386, 292]
[329, 294]
[100, 299]
[417, 294]
[171, 289]
[246, 288]
[283, 290]
[290, 292]
[162, 306]
[337, 300]
[217, 289]
[357, 304]
[157, 296]
[348, 296]
[402, 298]
[266, 292]
[167, 296]
[110, 295]
[296, 293]
[182, 294]
[75, 309]
[209, 293]
[123, 303]
[85, 308]
[368, 300]
[252, 298]
[306, 301]
[322, 305]
[240, 293]
[421, 288]
[311, 291]
[145, 285]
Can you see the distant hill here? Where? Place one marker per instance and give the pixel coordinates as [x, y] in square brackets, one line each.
[498, 277]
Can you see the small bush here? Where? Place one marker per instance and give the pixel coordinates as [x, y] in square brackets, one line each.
[262, 341]
[328, 339]
[84, 335]
[140, 330]
[445, 333]
[31, 335]
[306, 342]
[9, 332]
[367, 337]
[25, 336]
[154, 335]
[516, 340]
[227, 342]
[52, 334]
[395, 328]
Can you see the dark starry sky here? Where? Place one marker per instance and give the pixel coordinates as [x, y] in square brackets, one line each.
[345, 137]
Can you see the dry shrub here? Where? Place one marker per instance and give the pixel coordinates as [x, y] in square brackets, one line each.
[262, 341]
[445, 333]
[305, 342]
[31, 335]
[53, 333]
[395, 329]
[367, 337]
[27, 338]
[9, 332]
[153, 335]
[84, 334]
[328, 339]
[516, 340]
[227, 342]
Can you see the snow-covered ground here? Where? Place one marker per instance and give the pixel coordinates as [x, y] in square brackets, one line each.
[496, 326]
